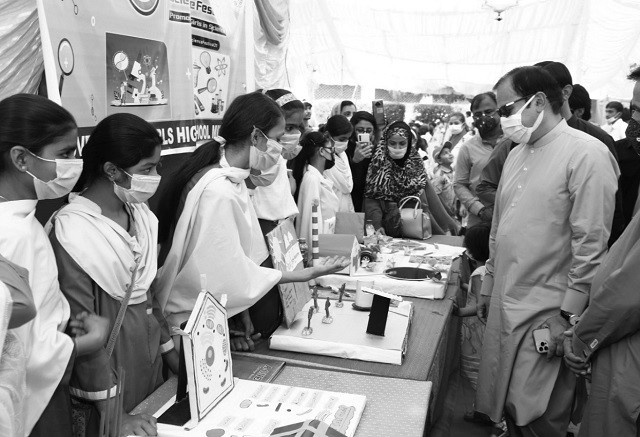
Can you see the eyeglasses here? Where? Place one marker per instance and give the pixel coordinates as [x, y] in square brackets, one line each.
[505, 110]
[362, 130]
[487, 112]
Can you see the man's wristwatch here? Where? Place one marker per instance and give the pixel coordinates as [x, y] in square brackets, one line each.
[573, 319]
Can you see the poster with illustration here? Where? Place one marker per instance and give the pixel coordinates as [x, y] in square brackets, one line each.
[138, 75]
[153, 58]
[210, 83]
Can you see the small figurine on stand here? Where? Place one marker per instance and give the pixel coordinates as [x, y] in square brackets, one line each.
[327, 319]
[314, 293]
[308, 330]
[339, 304]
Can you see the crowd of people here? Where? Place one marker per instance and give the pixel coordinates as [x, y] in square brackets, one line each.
[545, 199]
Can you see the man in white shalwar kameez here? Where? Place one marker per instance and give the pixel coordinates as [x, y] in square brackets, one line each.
[551, 223]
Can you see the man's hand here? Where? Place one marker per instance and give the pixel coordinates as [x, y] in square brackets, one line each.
[483, 308]
[576, 364]
[557, 326]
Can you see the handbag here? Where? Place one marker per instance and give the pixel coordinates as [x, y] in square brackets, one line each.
[415, 222]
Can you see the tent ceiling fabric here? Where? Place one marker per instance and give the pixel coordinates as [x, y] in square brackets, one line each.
[21, 62]
[422, 45]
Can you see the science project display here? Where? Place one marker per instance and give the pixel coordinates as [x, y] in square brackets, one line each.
[343, 331]
[286, 257]
[220, 405]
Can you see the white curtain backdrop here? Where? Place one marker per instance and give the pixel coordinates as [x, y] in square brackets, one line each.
[21, 62]
[422, 45]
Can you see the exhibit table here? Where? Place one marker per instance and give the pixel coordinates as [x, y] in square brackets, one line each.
[427, 335]
[399, 392]
[394, 407]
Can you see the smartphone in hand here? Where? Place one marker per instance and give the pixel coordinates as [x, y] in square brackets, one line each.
[541, 338]
[364, 138]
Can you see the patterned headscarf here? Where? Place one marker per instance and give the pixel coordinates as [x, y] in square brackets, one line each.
[392, 180]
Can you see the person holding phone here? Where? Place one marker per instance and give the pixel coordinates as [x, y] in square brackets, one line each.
[359, 151]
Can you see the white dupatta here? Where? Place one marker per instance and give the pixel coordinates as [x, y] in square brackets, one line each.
[218, 235]
[106, 251]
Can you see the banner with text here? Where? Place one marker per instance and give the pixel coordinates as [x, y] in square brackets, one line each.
[167, 61]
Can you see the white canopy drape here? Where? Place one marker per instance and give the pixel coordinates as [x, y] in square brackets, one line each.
[422, 45]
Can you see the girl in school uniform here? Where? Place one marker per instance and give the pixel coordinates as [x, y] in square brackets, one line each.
[315, 158]
[37, 161]
[273, 201]
[16, 309]
[339, 130]
[105, 240]
[210, 222]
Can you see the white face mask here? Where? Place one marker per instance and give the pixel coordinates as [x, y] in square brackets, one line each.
[340, 146]
[264, 160]
[455, 128]
[67, 174]
[142, 188]
[397, 153]
[513, 128]
[292, 154]
[290, 146]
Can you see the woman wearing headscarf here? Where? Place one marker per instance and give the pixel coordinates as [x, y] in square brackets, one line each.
[345, 107]
[395, 172]
[360, 153]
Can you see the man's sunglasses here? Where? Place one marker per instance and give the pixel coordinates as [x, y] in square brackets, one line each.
[487, 112]
[505, 110]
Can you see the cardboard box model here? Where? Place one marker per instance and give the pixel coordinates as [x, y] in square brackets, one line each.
[341, 245]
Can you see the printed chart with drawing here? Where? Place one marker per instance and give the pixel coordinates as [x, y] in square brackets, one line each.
[256, 409]
[210, 74]
[138, 75]
[286, 257]
[207, 355]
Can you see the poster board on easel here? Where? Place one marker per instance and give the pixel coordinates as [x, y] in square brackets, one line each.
[286, 257]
